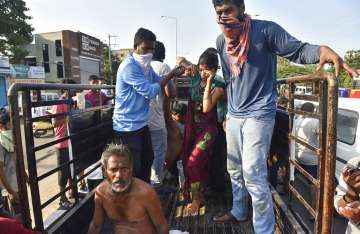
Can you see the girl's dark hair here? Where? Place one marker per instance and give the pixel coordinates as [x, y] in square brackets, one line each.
[237, 3]
[179, 108]
[143, 35]
[209, 58]
[159, 51]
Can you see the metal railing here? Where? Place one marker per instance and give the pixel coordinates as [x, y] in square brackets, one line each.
[325, 92]
[26, 138]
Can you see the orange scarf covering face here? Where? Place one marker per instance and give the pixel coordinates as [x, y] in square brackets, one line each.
[237, 38]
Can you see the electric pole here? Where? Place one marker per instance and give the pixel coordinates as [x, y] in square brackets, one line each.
[110, 63]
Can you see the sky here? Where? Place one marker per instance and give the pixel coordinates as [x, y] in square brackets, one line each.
[325, 22]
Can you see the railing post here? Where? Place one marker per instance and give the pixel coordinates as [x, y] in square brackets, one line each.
[20, 167]
[31, 159]
[330, 160]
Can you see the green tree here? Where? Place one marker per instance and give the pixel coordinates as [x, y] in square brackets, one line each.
[286, 69]
[115, 62]
[352, 58]
[14, 30]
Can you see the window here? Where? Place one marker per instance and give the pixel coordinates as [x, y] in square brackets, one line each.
[346, 126]
[60, 69]
[30, 61]
[58, 48]
[45, 52]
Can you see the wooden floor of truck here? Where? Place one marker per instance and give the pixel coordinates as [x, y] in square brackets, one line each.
[179, 219]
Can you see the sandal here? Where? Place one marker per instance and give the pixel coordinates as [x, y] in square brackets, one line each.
[65, 204]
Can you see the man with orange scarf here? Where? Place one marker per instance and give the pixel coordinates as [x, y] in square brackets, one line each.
[248, 50]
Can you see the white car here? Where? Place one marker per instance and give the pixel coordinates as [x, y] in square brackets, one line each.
[348, 131]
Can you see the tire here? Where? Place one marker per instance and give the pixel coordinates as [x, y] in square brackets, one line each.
[39, 132]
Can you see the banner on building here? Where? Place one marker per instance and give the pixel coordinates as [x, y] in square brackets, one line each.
[27, 72]
[90, 46]
[4, 65]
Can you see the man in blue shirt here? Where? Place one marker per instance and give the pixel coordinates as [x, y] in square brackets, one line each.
[136, 84]
[248, 50]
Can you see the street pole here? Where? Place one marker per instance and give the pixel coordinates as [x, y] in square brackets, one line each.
[110, 67]
[176, 39]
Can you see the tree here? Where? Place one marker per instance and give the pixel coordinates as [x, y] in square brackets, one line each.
[115, 62]
[14, 30]
[352, 58]
[286, 69]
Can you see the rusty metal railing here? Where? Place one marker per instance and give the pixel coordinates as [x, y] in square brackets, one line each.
[325, 92]
[26, 138]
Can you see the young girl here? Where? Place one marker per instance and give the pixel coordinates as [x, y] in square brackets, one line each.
[201, 126]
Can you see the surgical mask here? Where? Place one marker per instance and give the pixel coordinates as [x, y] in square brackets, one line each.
[144, 60]
[6, 140]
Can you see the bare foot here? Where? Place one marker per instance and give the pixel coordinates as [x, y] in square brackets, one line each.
[193, 207]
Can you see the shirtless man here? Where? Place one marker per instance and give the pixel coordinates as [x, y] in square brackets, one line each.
[130, 203]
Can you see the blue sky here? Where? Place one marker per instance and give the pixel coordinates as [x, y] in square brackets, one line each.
[332, 22]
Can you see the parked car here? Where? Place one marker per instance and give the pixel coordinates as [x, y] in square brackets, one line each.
[303, 90]
[348, 131]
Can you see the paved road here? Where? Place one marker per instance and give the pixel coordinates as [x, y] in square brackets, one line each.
[46, 161]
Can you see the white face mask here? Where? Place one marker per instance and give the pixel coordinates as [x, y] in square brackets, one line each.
[144, 60]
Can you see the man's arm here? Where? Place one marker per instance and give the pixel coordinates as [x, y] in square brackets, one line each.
[287, 46]
[211, 97]
[170, 88]
[99, 216]
[135, 77]
[61, 120]
[220, 46]
[6, 184]
[153, 207]
[178, 71]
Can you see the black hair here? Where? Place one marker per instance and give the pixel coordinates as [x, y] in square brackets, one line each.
[4, 116]
[209, 58]
[159, 51]
[179, 108]
[143, 35]
[237, 3]
[94, 77]
[67, 81]
[308, 107]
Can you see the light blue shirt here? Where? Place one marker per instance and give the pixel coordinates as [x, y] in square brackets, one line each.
[133, 92]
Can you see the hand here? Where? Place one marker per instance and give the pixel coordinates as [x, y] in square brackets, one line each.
[210, 76]
[178, 71]
[327, 55]
[351, 211]
[352, 180]
[15, 197]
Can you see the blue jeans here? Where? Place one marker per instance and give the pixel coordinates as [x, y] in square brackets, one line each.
[248, 144]
[159, 144]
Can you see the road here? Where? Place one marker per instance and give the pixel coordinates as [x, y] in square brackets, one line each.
[48, 187]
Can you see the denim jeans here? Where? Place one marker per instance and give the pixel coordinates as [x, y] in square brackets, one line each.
[159, 144]
[248, 144]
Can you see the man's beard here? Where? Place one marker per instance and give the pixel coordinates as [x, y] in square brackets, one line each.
[120, 186]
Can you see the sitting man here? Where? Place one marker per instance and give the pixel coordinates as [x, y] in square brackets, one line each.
[130, 203]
